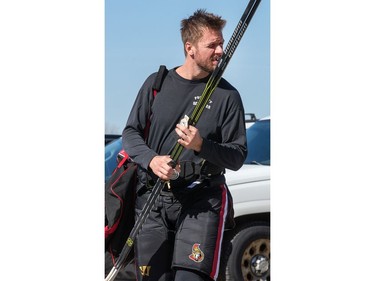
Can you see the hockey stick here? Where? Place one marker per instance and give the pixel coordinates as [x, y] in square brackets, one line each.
[192, 120]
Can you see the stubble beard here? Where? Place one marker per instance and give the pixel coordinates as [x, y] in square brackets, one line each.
[209, 67]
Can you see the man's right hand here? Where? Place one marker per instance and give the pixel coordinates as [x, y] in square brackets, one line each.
[160, 167]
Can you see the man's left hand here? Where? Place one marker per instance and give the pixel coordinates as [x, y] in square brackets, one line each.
[189, 137]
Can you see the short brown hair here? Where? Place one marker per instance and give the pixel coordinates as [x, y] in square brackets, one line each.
[192, 27]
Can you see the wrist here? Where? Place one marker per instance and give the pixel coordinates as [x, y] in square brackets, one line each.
[198, 147]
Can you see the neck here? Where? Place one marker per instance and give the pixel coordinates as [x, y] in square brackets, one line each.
[191, 72]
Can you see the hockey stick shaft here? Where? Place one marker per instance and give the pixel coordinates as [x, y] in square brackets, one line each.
[178, 148]
[218, 72]
[228, 53]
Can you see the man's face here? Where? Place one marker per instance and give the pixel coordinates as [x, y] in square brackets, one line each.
[208, 50]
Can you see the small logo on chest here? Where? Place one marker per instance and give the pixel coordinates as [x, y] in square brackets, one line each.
[196, 99]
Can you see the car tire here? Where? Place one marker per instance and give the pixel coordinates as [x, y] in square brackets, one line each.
[250, 255]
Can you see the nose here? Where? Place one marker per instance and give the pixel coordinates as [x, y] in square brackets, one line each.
[219, 50]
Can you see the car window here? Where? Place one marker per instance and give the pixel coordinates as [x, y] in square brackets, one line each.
[258, 143]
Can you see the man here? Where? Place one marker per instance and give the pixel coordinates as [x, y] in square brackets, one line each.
[181, 239]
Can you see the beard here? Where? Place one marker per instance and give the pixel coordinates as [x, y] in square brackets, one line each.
[209, 65]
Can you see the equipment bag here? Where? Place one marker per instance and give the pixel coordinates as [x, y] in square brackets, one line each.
[120, 194]
[119, 200]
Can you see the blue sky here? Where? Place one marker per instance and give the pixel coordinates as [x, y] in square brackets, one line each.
[141, 35]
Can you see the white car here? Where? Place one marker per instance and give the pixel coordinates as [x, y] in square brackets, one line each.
[246, 249]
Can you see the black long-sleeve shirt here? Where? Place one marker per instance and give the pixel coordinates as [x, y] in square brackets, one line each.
[221, 125]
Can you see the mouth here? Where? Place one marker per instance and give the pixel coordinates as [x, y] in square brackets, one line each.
[216, 60]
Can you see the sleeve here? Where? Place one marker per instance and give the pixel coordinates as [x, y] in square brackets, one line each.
[133, 136]
[231, 151]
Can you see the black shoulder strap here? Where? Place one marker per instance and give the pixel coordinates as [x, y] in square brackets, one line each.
[163, 71]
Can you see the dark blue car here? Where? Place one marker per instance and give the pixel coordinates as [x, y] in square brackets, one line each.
[111, 150]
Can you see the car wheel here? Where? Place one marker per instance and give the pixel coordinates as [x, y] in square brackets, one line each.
[250, 257]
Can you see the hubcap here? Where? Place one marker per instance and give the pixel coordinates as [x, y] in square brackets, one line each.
[255, 263]
[259, 265]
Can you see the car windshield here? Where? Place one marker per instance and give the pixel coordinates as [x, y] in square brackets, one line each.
[258, 143]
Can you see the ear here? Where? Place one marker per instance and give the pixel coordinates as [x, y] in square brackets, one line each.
[189, 49]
